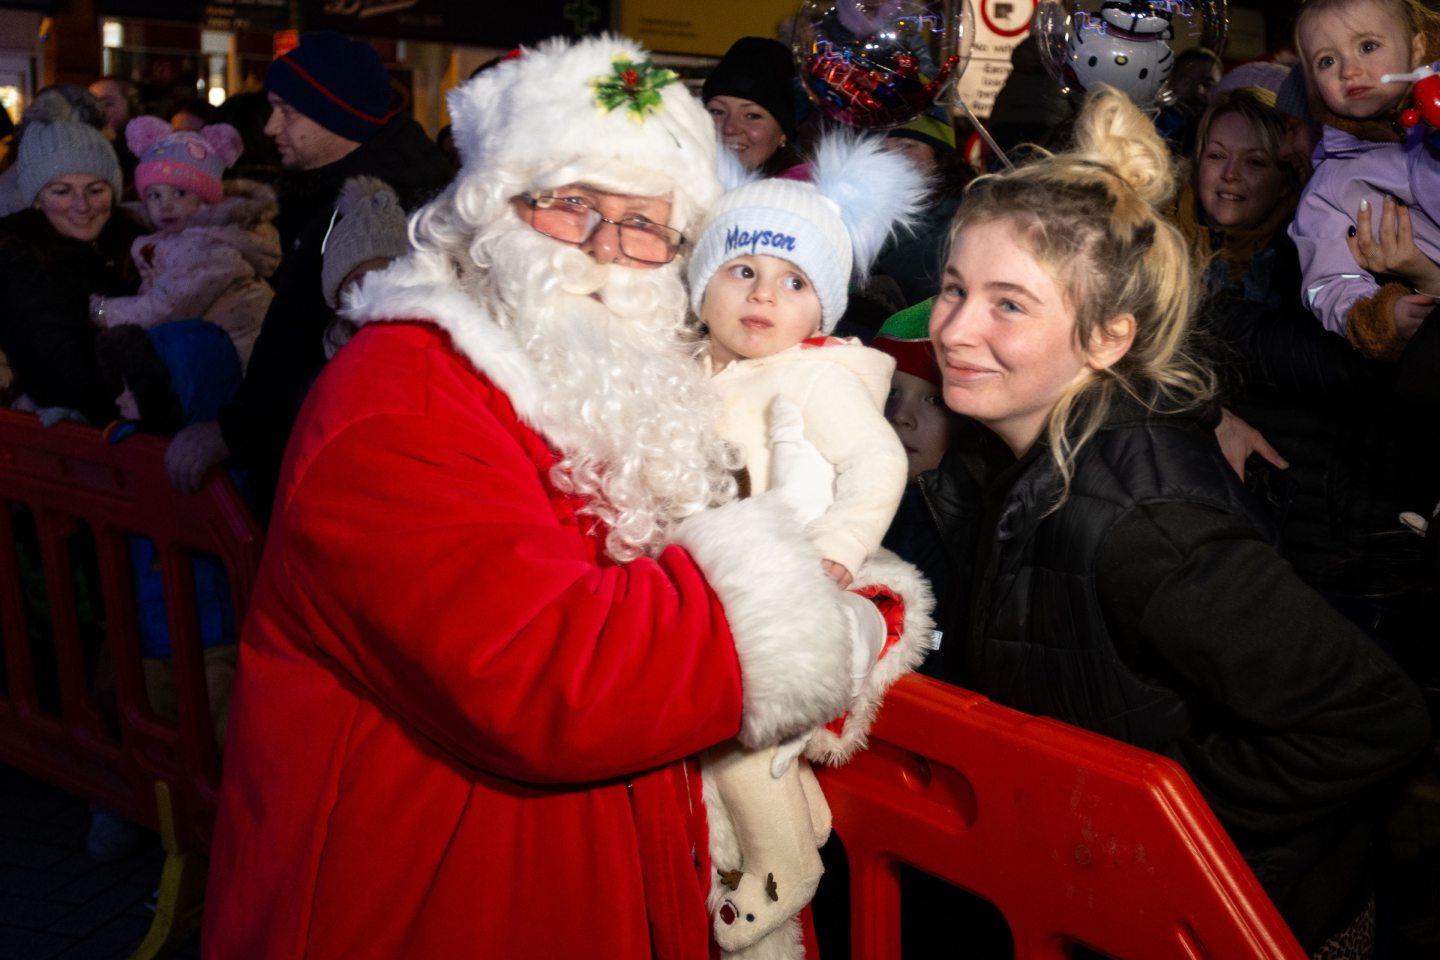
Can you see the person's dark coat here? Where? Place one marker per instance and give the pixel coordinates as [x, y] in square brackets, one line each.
[1150, 607]
[1327, 409]
[45, 330]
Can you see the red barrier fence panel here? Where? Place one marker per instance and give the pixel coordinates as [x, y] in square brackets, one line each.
[1075, 838]
[70, 503]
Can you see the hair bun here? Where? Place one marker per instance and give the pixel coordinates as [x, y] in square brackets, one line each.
[1112, 130]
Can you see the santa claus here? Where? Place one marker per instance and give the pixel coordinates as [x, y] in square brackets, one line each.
[508, 594]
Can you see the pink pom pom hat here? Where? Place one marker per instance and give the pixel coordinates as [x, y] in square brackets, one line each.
[189, 161]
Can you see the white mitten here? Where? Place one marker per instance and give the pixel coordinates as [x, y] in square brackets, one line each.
[799, 475]
[867, 641]
[867, 638]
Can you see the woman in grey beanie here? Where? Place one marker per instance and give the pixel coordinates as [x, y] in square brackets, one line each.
[64, 244]
[65, 102]
[63, 148]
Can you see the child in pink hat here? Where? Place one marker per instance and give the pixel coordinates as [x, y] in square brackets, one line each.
[213, 245]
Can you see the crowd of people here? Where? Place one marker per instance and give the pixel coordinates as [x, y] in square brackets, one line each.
[612, 490]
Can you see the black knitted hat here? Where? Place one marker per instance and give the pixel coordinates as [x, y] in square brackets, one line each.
[761, 71]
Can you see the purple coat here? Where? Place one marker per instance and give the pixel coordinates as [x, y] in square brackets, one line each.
[1347, 171]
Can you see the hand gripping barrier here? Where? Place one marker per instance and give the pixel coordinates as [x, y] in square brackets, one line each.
[158, 773]
[1075, 838]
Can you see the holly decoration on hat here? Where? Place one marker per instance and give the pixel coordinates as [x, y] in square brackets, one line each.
[635, 86]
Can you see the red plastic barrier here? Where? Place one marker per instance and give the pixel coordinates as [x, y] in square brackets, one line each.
[71, 477]
[1075, 838]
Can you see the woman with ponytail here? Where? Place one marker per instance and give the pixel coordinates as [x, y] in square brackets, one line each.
[1118, 577]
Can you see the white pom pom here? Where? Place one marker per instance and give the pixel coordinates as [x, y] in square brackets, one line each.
[876, 189]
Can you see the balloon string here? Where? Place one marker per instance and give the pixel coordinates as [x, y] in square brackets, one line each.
[980, 129]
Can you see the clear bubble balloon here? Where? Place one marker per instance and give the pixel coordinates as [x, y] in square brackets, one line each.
[874, 64]
[1128, 44]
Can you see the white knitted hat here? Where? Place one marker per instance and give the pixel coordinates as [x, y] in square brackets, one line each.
[829, 227]
[596, 111]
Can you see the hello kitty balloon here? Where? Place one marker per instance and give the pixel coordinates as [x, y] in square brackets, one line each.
[1127, 44]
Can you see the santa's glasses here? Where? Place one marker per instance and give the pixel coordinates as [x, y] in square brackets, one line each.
[575, 220]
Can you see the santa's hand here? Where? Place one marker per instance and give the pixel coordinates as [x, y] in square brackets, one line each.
[799, 475]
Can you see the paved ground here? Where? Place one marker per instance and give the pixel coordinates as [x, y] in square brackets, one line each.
[55, 903]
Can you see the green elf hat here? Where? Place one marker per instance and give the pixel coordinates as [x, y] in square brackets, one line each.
[906, 337]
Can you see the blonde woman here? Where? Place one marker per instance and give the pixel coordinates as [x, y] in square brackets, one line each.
[1117, 573]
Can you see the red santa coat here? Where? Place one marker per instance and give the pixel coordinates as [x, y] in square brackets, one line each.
[458, 729]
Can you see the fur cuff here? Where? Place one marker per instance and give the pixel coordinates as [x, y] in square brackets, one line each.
[1370, 324]
[836, 743]
[790, 633]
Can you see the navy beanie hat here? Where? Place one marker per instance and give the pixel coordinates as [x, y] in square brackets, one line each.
[340, 84]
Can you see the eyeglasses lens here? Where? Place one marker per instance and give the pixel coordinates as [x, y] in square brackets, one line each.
[576, 222]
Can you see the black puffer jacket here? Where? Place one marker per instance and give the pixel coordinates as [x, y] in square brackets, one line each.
[45, 329]
[1149, 606]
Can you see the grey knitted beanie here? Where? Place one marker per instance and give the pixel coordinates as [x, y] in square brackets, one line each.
[369, 224]
[61, 147]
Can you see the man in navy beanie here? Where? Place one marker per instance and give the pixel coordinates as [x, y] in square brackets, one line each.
[332, 120]
[330, 95]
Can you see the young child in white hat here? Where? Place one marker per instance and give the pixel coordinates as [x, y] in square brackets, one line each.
[769, 280]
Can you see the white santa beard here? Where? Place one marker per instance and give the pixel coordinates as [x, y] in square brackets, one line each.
[626, 404]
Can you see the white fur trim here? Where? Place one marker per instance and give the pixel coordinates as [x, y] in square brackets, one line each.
[790, 633]
[876, 189]
[903, 579]
[732, 172]
[416, 288]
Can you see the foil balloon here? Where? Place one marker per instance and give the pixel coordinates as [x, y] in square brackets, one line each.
[873, 64]
[1127, 44]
